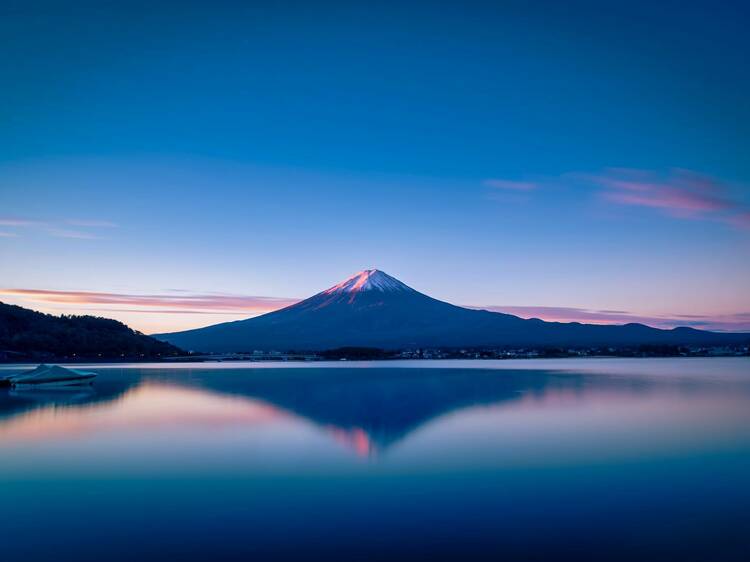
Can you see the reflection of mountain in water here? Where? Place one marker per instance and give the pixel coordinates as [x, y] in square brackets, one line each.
[382, 405]
[366, 408]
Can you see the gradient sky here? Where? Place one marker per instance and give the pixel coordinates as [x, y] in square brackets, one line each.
[176, 165]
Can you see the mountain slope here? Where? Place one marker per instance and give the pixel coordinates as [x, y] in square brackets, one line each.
[373, 309]
[35, 334]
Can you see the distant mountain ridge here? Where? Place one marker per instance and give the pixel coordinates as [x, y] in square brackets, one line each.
[29, 334]
[373, 309]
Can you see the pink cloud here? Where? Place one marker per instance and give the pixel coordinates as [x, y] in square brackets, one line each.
[198, 303]
[511, 185]
[739, 322]
[741, 221]
[680, 193]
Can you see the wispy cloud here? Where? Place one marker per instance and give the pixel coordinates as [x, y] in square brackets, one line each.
[8, 234]
[678, 193]
[11, 221]
[166, 303]
[511, 185]
[739, 322]
[57, 228]
[92, 223]
[741, 220]
[67, 233]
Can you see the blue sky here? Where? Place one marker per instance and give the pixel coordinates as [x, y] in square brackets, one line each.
[506, 154]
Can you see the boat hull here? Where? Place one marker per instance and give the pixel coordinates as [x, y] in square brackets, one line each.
[52, 383]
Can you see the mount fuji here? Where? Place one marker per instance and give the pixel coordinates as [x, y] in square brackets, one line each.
[373, 309]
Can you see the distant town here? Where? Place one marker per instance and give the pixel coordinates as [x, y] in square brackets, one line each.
[374, 354]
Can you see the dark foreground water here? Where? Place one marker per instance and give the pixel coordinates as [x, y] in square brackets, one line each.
[531, 460]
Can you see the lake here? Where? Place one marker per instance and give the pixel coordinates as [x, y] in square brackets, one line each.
[573, 459]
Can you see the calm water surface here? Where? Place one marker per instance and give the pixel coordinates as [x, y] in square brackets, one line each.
[569, 459]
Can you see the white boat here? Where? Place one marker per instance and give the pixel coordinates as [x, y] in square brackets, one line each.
[51, 375]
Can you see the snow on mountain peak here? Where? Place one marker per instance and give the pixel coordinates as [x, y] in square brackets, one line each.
[368, 280]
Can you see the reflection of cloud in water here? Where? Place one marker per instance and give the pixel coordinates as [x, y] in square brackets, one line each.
[148, 406]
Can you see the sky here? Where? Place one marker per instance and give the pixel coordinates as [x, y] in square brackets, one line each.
[175, 165]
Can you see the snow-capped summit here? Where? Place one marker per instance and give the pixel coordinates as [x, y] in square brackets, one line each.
[368, 280]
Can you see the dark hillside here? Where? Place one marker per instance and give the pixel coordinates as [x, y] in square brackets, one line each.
[36, 335]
